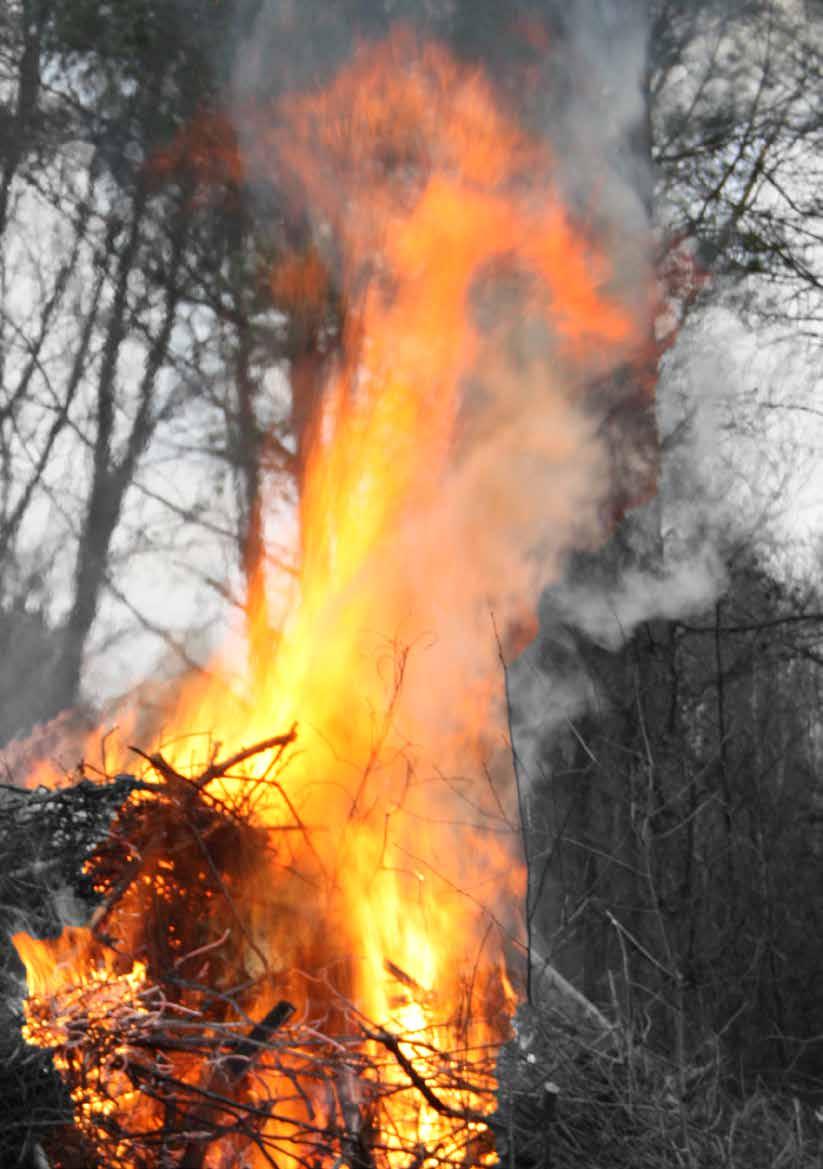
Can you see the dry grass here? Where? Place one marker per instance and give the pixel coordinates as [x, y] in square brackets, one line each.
[614, 1105]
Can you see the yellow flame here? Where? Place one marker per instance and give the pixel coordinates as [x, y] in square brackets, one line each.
[400, 872]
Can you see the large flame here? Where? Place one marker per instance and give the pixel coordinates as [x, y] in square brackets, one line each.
[451, 465]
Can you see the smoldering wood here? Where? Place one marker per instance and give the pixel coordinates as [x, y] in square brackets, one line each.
[46, 837]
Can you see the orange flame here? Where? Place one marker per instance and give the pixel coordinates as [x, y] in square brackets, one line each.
[452, 465]
[78, 999]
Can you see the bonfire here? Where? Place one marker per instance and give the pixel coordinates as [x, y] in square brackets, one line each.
[307, 941]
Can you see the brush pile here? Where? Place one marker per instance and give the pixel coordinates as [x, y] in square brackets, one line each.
[145, 1011]
[176, 1037]
[180, 1044]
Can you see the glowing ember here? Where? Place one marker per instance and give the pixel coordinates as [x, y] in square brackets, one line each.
[450, 467]
[78, 1003]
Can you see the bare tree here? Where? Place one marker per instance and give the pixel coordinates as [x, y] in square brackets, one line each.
[737, 142]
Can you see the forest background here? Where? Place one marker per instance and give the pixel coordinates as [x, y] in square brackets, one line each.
[155, 387]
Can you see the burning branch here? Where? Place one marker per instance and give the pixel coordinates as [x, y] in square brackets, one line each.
[226, 1075]
[392, 1044]
[219, 770]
